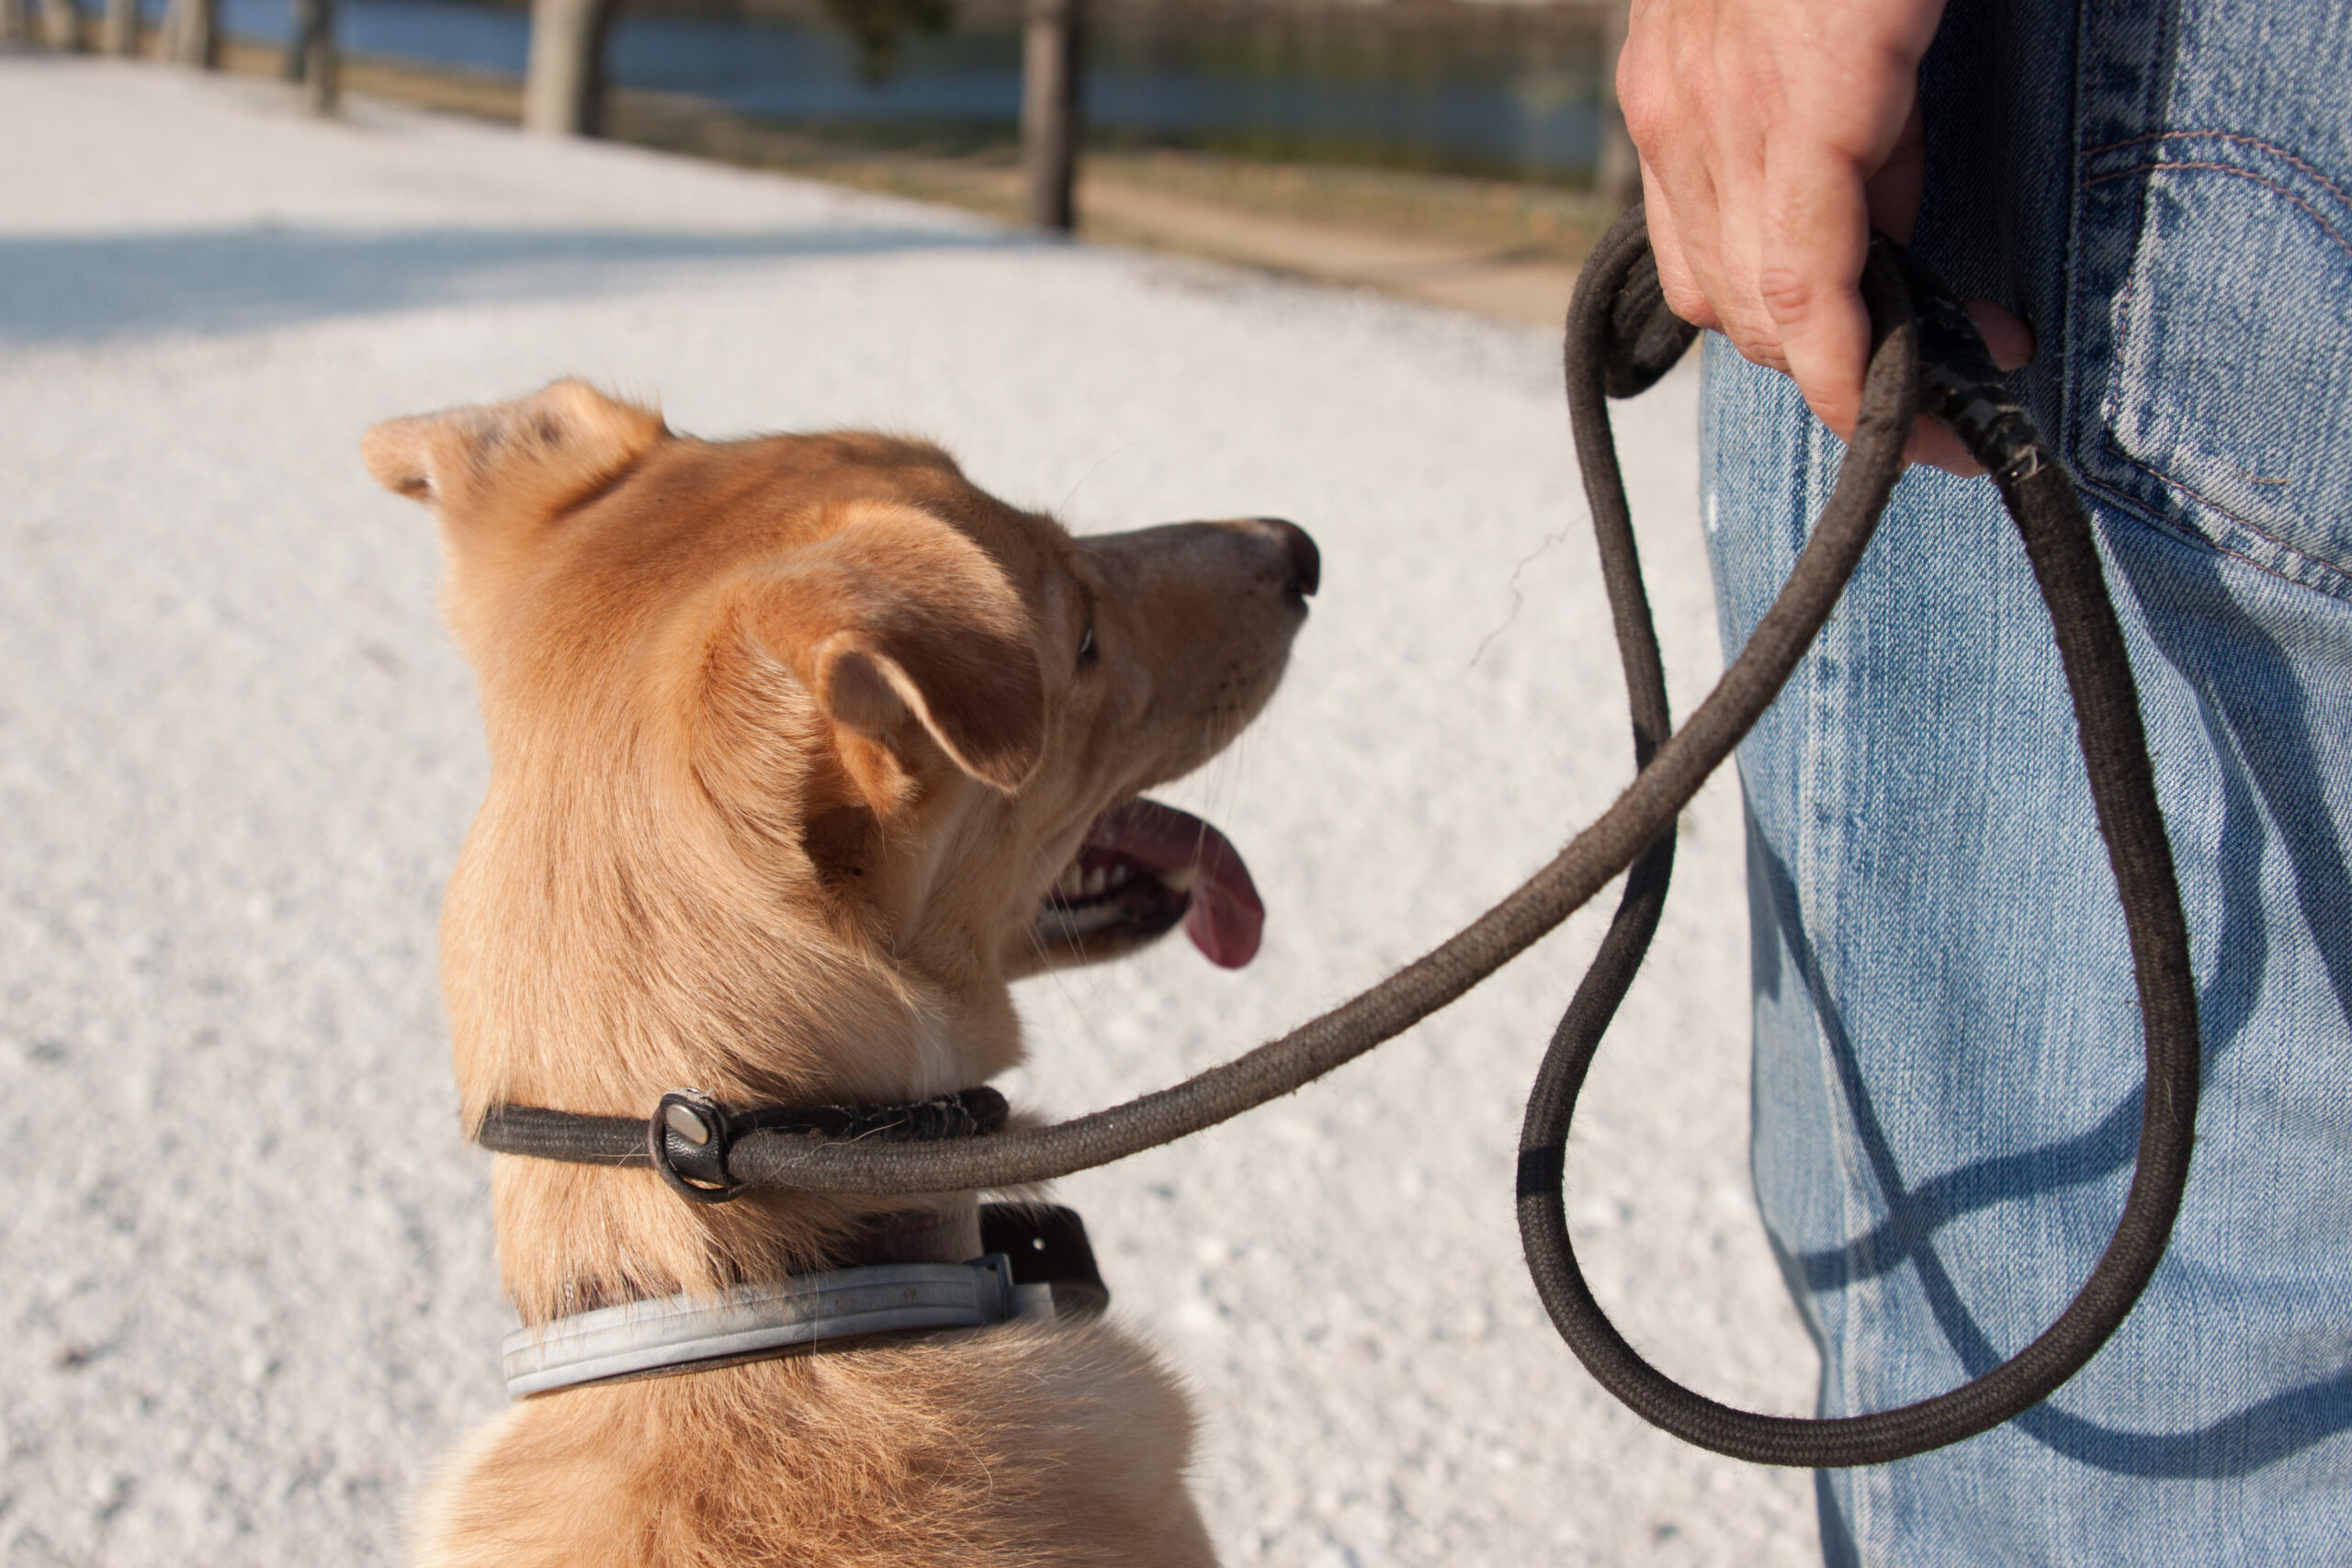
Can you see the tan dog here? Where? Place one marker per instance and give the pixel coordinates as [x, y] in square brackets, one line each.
[796, 747]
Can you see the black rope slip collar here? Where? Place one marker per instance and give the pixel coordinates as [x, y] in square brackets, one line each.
[1621, 339]
[690, 1138]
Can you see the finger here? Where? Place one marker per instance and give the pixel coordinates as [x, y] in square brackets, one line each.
[1674, 276]
[1694, 212]
[1674, 179]
[1931, 444]
[1893, 193]
[2010, 342]
[1726, 123]
[1814, 235]
[2010, 339]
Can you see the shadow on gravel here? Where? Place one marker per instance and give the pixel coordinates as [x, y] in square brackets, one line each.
[79, 288]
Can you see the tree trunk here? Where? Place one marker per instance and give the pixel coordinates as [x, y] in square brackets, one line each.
[1050, 66]
[192, 33]
[119, 33]
[1617, 178]
[16, 26]
[309, 53]
[61, 24]
[563, 86]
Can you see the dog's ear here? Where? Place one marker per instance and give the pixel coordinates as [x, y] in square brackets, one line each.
[525, 461]
[905, 633]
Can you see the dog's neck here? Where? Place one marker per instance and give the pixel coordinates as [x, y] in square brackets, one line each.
[948, 1234]
[606, 939]
[945, 1232]
[573, 1236]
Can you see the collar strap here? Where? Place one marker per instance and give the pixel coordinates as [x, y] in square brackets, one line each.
[1039, 1265]
[689, 1134]
[760, 1322]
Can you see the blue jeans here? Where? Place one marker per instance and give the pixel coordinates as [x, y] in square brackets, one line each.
[1948, 1052]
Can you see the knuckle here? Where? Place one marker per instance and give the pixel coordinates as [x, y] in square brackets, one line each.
[1649, 118]
[1787, 293]
[1691, 305]
[1757, 339]
[1683, 297]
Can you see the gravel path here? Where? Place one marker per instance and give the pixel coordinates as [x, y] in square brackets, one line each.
[246, 1283]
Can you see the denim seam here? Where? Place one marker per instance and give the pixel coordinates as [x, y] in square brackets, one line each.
[2078, 106]
[1825, 670]
[2119, 326]
[2169, 23]
[2271, 185]
[2335, 582]
[2232, 138]
[2329, 577]
[2334, 574]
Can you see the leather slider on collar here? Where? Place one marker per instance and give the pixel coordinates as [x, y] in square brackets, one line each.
[687, 1140]
[1047, 1246]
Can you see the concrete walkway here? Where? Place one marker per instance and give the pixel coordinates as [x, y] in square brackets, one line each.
[246, 1283]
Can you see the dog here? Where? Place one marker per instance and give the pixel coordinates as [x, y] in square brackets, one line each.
[802, 749]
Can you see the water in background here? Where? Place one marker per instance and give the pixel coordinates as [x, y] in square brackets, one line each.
[1476, 106]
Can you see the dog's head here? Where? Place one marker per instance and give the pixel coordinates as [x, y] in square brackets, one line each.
[806, 738]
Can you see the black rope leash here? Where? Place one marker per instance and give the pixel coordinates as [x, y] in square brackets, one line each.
[1960, 387]
[1621, 339]
[1644, 813]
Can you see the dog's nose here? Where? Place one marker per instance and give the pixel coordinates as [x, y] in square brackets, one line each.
[1305, 561]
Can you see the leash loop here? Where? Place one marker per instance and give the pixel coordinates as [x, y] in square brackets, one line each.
[1960, 386]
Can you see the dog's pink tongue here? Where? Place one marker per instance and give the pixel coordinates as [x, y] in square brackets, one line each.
[1226, 915]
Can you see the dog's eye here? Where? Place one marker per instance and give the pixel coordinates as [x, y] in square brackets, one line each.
[1086, 645]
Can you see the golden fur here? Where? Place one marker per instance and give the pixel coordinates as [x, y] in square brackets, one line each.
[788, 737]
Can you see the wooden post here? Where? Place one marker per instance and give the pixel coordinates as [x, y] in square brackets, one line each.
[563, 85]
[1617, 177]
[309, 53]
[321, 67]
[61, 24]
[119, 33]
[1050, 67]
[192, 33]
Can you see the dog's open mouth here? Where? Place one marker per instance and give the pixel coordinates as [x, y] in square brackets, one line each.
[1143, 867]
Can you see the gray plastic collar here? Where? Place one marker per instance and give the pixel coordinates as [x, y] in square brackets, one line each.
[776, 1318]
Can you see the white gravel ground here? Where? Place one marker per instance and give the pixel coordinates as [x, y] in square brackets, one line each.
[245, 1284]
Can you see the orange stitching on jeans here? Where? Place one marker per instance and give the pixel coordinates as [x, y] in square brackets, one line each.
[2332, 189]
[2199, 540]
[2111, 403]
[2184, 487]
[2272, 186]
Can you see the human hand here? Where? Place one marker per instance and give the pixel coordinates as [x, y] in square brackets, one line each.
[1774, 134]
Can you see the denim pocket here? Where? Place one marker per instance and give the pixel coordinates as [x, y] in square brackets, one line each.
[2209, 381]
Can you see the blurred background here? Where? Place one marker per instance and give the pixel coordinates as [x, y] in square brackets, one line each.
[1462, 151]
